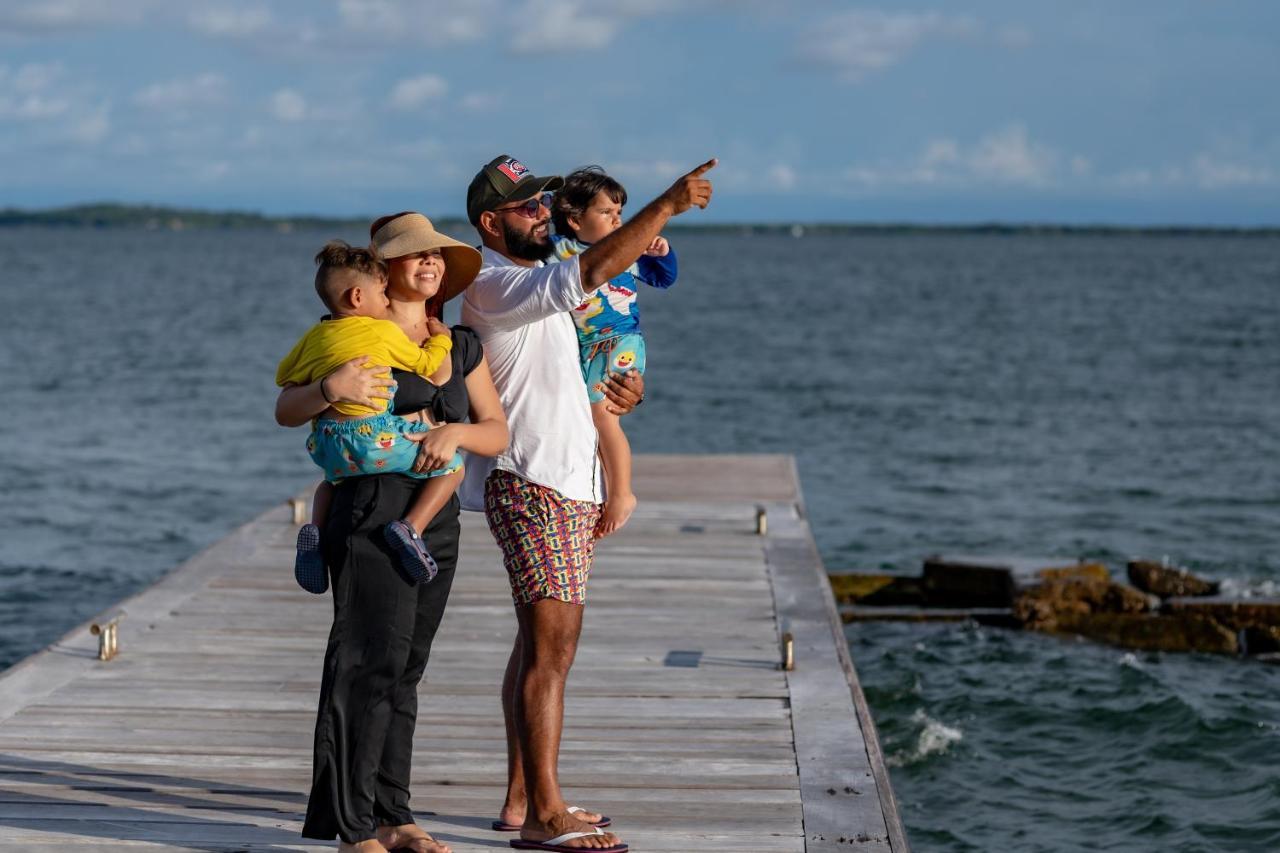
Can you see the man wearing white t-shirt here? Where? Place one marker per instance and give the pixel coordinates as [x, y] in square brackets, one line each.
[541, 496]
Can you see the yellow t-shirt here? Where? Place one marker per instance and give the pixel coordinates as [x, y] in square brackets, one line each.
[328, 344]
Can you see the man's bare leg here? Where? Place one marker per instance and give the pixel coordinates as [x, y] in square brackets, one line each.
[515, 805]
[549, 631]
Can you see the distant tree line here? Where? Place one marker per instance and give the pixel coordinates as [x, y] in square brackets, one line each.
[152, 217]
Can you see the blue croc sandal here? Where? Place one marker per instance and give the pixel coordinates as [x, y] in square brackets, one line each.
[308, 565]
[415, 564]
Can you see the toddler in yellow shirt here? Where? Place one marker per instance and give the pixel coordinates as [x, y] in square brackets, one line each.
[349, 439]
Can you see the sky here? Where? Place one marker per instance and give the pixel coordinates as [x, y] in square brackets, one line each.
[1075, 111]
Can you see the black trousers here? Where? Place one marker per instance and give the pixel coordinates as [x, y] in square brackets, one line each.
[378, 650]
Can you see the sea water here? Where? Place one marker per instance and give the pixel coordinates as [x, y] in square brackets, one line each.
[1100, 396]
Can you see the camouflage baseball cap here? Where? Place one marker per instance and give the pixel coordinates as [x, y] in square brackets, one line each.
[504, 179]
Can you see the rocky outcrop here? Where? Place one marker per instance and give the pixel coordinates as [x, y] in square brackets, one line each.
[970, 582]
[1078, 598]
[1185, 632]
[877, 590]
[1050, 605]
[1167, 581]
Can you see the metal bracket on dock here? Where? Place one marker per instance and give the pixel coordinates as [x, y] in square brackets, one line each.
[107, 629]
[762, 521]
[788, 662]
[299, 508]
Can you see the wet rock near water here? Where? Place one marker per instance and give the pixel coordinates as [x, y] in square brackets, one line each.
[1154, 632]
[1167, 581]
[877, 590]
[1061, 602]
[1077, 599]
[994, 582]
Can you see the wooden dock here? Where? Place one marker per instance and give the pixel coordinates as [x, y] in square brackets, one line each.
[680, 723]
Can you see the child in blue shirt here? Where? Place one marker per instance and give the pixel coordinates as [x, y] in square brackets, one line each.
[587, 209]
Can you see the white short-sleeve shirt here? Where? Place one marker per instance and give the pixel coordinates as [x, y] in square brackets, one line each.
[522, 316]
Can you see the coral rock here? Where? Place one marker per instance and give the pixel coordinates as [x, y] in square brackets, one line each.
[1168, 582]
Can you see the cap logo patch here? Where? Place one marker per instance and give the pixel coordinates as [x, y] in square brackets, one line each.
[513, 169]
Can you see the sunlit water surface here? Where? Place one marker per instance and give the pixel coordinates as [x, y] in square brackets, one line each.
[1043, 395]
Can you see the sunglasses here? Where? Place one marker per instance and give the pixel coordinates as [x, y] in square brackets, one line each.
[528, 209]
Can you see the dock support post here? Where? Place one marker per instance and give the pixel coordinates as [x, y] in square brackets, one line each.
[299, 508]
[107, 630]
[762, 521]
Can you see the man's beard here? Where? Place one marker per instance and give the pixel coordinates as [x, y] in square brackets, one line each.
[526, 247]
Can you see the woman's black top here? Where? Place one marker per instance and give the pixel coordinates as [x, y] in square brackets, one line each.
[448, 403]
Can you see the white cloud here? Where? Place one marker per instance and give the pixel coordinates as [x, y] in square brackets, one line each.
[647, 170]
[213, 171]
[416, 91]
[1214, 172]
[442, 22]
[92, 127]
[480, 102]
[26, 93]
[781, 177]
[1007, 156]
[230, 23]
[861, 41]
[48, 16]
[37, 76]
[288, 105]
[564, 25]
[205, 89]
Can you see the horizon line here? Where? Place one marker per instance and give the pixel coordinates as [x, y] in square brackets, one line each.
[10, 216]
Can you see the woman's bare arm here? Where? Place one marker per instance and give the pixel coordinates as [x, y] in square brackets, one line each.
[488, 433]
[350, 383]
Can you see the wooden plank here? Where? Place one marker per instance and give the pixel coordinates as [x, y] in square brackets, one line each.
[678, 721]
[844, 783]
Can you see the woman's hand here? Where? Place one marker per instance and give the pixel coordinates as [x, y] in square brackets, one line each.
[364, 386]
[436, 448]
[624, 392]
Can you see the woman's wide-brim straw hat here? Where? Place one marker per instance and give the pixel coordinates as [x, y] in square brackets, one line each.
[411, 233]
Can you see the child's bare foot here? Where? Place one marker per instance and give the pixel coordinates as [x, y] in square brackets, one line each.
[617, 510]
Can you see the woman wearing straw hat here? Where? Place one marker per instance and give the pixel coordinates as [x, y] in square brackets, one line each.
[383, 627]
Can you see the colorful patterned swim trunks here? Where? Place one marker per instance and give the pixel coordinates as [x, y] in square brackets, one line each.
[547, 540]
[621, 355]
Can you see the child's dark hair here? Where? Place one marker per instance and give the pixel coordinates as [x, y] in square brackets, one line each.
[580, 187]
[336, 256]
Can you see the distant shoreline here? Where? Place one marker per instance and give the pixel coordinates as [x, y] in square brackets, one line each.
[157, 218]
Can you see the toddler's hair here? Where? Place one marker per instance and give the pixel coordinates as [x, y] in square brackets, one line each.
[336, 257]
[580, 187]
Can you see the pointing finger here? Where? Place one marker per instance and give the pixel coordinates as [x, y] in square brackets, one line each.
[705, 167]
